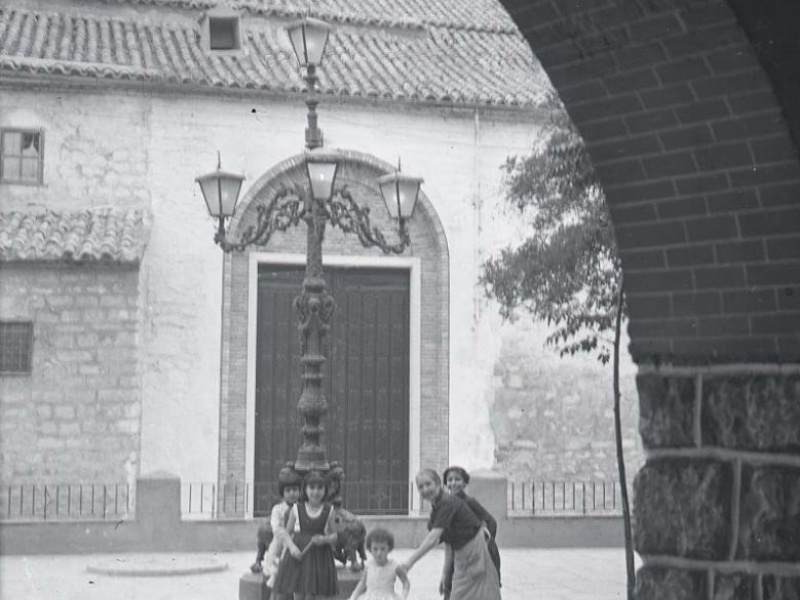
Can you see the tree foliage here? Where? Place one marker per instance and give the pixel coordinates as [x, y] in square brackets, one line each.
[566, 271]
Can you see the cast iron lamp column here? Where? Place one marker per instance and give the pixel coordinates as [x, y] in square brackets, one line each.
[321, 203]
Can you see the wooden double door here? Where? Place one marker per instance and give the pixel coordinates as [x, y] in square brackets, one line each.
[366, 384]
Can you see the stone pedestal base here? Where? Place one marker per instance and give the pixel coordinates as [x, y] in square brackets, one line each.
[252, 586]
[347, 582]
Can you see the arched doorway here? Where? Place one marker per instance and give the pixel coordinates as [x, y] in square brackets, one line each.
[370, 386]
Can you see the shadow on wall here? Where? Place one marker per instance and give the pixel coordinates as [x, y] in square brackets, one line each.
[553, 416]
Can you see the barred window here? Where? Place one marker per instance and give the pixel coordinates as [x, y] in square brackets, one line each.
[16, 344]
[21, 156]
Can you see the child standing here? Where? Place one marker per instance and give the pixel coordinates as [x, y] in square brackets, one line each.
[379, 577]
[307, 569]
[289, 488]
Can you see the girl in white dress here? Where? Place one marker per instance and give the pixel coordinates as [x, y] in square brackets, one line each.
[378, 580]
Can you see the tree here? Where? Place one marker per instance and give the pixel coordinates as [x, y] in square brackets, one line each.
[567, 271]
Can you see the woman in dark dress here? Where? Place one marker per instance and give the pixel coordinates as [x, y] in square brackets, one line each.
[457, 479]
[453, 522]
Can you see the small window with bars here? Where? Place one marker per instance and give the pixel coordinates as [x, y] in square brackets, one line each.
[21, 156]
[16, 345]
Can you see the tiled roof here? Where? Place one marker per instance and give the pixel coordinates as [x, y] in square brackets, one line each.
[91, 235]
[441, 64]
[486, 15]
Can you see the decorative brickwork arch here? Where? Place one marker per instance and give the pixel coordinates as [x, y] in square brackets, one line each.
[680, 103]
[428, 261]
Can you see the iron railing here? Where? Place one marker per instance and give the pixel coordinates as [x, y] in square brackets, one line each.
[568, 498]
[66, 502]
[115, 501]
[239, 499]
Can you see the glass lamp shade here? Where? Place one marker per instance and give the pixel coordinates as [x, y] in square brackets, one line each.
[400, 193]
[309, 38]
[322, 167]
[221, 192]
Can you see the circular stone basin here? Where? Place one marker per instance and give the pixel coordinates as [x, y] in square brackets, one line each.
[156, 566]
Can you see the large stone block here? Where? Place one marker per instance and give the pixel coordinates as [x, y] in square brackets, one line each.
[735, 587]
[654, 583]
[780, 588]
[752, 413]
[682, 508]
[666, 406]
[252, 587]
[769, 519]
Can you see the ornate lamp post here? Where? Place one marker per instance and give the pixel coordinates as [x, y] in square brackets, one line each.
[318, 204]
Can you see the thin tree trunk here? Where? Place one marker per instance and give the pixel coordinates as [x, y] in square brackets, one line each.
[626, 513]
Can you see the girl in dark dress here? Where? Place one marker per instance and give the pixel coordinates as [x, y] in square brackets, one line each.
[307, 569]
[452, 522]
[457, 479]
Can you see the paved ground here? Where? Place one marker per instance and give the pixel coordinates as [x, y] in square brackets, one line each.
[527, 575]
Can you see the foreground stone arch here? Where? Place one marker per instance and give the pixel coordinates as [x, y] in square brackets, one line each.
[690, 116]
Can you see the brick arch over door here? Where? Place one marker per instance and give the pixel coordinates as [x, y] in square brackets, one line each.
[685, 127]
[429, 245]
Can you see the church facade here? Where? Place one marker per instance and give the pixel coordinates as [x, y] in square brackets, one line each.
[132, 344]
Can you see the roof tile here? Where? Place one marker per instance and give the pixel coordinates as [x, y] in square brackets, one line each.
[442, 64]
[486, 15]
[105, 235]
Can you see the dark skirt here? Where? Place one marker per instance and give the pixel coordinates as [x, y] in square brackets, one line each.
[314, 573]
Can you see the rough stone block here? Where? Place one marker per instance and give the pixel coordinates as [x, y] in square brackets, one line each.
[45, 443]
[65, 412]
[69, 316]
[48, 428]
[682, 507]
[653, 583]
[252, 587]
[735, 587]
[86, 301]
[769, 515]
[128, 426]
[752, 413]
[69, 429]
[666, 406]
[781, 588]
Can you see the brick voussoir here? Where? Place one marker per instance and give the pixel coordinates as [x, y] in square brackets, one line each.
[691, 255]
[740, 251]
[678, 208]
[651, 235]
[600, 109]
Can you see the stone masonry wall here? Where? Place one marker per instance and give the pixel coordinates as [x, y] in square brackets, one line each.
[720, 492]
[553, 417]
[76, 417]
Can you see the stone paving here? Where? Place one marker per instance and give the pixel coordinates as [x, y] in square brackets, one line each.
[574, 574]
